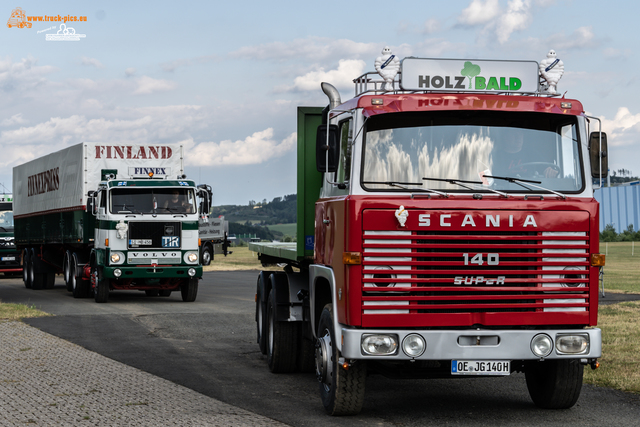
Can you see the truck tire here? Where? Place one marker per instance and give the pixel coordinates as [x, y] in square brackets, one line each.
[80, 287]
[341, 390]
[554, 384]
[189, 290]
[261, 312]
[66, 271]
[26, 278]
[282, 340]
[100, 286]
[164, 292]
[37, 278]
[306, 355]
[207, 255]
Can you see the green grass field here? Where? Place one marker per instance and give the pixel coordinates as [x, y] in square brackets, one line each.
[286, 229]
[622, 269]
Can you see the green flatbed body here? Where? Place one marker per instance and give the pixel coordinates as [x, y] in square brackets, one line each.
[276, 250]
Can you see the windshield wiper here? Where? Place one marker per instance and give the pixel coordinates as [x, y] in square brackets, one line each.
[403, 185]
[531, 183]
[461, 183]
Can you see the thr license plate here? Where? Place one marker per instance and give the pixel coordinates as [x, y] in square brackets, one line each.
[8, 258]
[480, 367]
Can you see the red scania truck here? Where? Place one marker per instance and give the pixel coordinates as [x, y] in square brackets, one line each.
[446, 228]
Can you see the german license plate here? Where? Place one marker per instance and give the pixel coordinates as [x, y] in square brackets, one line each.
[480, 367]
[8, 258]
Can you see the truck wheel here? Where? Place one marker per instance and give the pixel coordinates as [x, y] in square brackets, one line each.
[306, 355]
[282, 340]
[100, 286]
[164, 292]
[206, 255]
[261, 315]
[341, 390]
[80, 287]
[189, 290]
[26, 278]
[37, 278]
[554, 384]
[66, 269]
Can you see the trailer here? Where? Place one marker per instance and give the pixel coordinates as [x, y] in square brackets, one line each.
[109, 217]
[214, 232]
[446, 229]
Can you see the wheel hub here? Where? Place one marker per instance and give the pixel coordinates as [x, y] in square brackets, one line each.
[324, 367]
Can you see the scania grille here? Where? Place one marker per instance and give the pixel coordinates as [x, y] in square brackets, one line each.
[416, 272]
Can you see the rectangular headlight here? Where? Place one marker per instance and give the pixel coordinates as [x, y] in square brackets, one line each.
[572, 344]
[379, 344]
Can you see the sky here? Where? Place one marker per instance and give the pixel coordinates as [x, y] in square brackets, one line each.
[224, 79]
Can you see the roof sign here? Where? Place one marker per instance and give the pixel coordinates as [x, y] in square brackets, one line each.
[460, 75]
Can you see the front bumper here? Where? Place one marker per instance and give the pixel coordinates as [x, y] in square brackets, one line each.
[471, 344]
[149, 272]
[10, 262]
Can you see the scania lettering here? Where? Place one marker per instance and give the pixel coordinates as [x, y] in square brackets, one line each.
[440, 234]
[110, 218]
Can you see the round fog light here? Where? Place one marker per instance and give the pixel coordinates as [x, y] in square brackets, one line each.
[541, 345]
[413, 345]
[192, 272]
[117, 272]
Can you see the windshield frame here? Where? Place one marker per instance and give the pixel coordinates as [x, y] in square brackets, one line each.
[456, 118]
[160, 195]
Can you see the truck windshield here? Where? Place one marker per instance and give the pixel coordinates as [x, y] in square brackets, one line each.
[152, 200]
[472, 146]
[6, 217]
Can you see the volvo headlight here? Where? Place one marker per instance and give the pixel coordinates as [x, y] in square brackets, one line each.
[541, 345]
[116, 258]
[379, 344]
[191, 257]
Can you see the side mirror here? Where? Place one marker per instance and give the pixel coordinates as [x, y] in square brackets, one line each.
[91, 203]
[322, 148]
[596, 141]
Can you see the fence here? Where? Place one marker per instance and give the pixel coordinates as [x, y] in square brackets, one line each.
[619, 206]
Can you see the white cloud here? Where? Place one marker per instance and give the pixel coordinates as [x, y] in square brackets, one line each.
[254, 149]
[479, 12]
[16, 119]
[92, 62]
[624, 129]
[342, 77]
[431, 26]
[516, 18]
[581, 38]
[130, 71]
[147, 85]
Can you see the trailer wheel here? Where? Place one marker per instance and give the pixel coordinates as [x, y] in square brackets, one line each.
[37, 278]
[164, 292]
[341, 390]
[100, 286]
[306, 355]
[26, 278]
[261, 313]
[66, 270]
[554, 384]
[189, 290]
[282, 341]
[206, 255]
[80, 287]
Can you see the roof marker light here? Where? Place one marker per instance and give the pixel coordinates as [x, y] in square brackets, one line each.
[566, 105]
[377, 101]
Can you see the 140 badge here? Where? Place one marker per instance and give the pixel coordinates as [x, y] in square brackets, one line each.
[170, 241]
